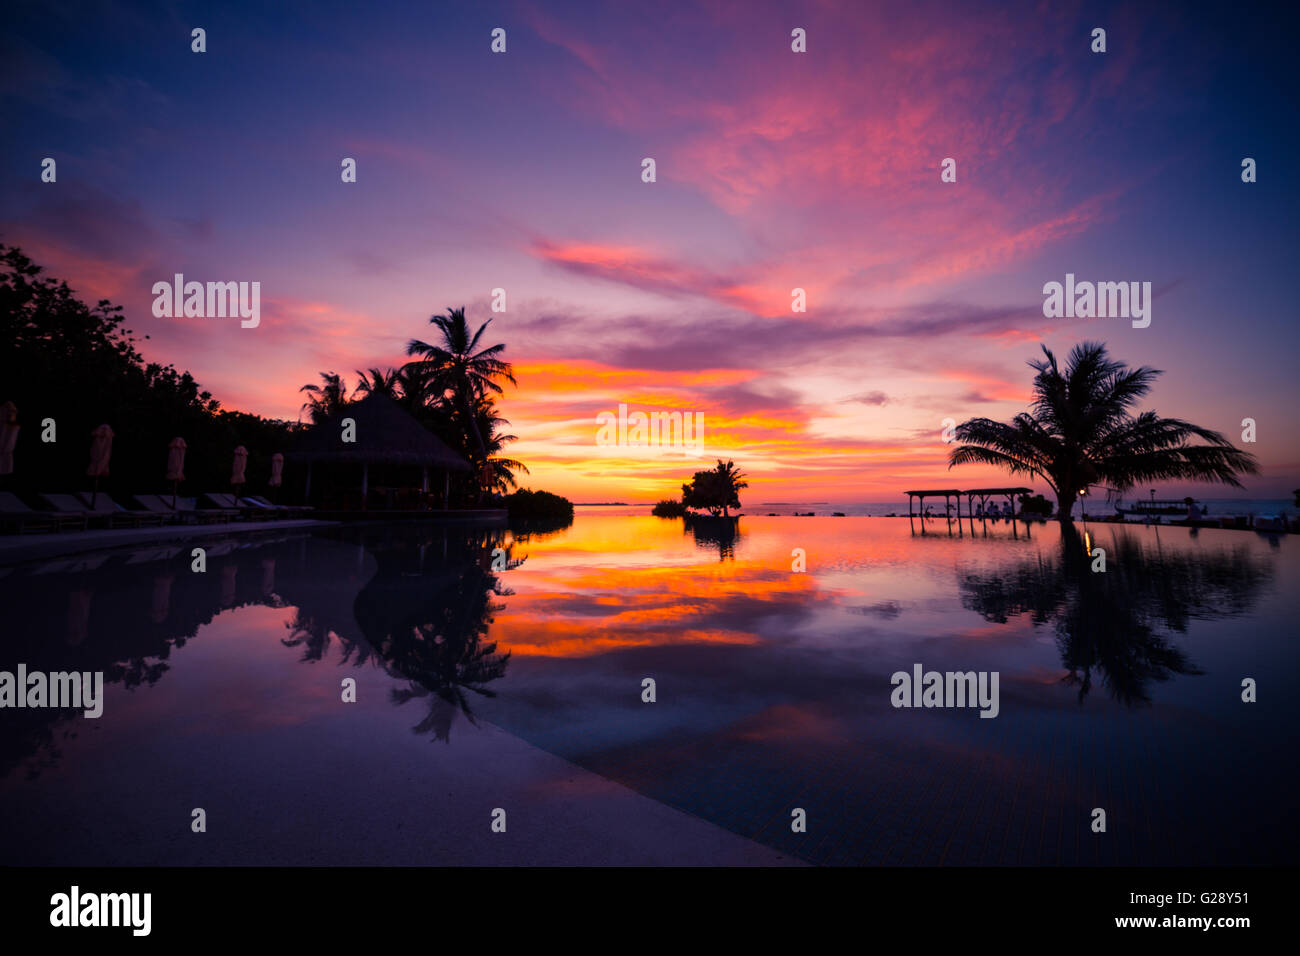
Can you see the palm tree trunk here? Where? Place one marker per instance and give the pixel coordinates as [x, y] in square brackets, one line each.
[1064, 505]
[478, 439]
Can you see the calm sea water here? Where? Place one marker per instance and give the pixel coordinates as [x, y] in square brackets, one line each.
[880, 509]
[471, 650]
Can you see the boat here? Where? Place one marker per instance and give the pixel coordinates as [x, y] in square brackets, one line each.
[1158, 508]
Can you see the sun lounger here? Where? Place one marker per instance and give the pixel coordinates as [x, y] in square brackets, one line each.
[261, 503]
[189, 506]
[224, 501]
[185, 509]
[72, 505]
[14, 512]
[104, 505]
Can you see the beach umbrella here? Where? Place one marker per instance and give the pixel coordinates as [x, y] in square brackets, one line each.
[8, 437]
[101, 450]
[277, 470]
[175, 464]
[237, 471]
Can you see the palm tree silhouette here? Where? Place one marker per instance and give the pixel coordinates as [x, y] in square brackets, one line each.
[325, 400]
[458, 367]
[1080, 431]
[377, 381]
[500, 469]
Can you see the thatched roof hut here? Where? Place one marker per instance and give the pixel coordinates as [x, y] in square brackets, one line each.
[384, 434]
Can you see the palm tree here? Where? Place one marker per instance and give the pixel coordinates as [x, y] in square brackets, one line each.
[500, 470]
[459, 370]
[1080, 431]
[325, 400]
[379, 382]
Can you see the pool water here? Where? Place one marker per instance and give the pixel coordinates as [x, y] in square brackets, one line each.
[1120, 690]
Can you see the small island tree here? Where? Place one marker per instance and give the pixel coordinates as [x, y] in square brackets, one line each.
[715, 491]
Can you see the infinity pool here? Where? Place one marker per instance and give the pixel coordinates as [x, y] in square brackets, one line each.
[499, 671]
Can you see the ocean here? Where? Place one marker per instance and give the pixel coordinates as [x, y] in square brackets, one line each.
[881, 509]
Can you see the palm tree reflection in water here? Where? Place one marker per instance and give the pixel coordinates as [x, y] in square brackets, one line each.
[1109, 623]
[424, 619]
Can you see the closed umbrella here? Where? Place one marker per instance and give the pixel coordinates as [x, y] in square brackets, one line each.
[277, 470]
[101, 450]
[8, 437]
[175, 464]
[237, 471]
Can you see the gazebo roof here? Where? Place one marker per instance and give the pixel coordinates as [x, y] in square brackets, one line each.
[385, 434]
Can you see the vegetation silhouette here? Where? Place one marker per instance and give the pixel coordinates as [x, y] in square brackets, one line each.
[80, 366]
[715, 491]
[1080, 431]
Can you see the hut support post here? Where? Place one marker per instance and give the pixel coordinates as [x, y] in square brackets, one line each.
[446, 490]
[365, 483]
[306, 495]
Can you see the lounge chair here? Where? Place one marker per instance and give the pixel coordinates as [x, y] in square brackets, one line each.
[184, 511]
[13, 511]
[72, 505]
[261, 503]
[224, 501]
[104, 505]
[157, 504]
[190, 506]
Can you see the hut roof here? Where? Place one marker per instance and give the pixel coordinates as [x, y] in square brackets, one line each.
[385, 433]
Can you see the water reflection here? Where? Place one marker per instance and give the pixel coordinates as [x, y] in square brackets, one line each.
[1109, 624]
[412, 600]
[429, 619]
[710, 533]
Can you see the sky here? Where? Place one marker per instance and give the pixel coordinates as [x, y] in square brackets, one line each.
[775, 170]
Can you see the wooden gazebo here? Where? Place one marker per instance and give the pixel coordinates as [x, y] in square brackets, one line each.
[385, 434]
[983, 494]
[944, 493]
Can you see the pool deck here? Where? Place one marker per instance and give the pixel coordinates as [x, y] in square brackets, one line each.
[399, 800]
[18, 549]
